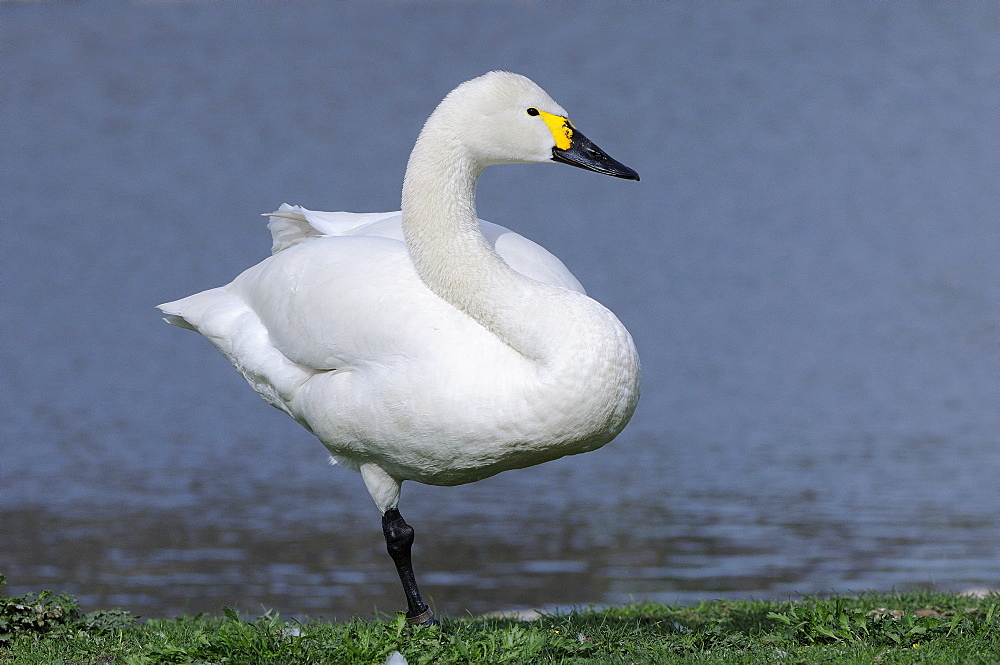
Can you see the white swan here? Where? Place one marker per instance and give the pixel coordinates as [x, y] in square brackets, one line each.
[426, 344]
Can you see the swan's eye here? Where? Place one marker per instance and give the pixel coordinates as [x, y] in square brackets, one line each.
[532, 110]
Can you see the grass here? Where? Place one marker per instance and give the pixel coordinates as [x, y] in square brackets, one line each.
[921, 627]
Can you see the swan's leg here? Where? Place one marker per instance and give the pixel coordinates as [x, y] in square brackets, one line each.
[398, 540]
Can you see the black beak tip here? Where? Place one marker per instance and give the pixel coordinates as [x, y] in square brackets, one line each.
[585, 155]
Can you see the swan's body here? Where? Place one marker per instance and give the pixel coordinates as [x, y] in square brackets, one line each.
[428, 345]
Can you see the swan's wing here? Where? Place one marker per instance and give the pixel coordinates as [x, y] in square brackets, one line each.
[341, 303]
[529, 258]
[291, 225]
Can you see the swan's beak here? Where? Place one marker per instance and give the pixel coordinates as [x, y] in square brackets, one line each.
[583, 153]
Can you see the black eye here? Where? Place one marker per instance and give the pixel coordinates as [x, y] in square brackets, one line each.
[532, 110]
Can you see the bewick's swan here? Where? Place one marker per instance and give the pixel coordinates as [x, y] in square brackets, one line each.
[426, 344]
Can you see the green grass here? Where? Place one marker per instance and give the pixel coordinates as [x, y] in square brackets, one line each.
[918, 627]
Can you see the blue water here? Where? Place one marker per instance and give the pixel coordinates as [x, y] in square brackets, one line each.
[809, 267]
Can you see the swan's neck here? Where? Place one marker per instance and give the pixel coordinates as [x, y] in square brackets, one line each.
[449, 251]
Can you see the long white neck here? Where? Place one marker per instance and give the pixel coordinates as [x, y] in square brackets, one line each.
[589, 363]
[449, 251]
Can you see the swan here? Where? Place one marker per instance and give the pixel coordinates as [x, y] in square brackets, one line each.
[426, 344]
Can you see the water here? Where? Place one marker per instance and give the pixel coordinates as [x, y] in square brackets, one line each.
[809, 269]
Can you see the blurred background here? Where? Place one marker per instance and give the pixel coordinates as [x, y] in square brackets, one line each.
[809, 268]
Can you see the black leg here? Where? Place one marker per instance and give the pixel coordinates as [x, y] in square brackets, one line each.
[398, 540]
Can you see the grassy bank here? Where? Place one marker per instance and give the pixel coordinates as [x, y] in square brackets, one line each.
[886, 628]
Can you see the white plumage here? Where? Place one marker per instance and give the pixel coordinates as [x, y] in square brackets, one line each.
[426, 344]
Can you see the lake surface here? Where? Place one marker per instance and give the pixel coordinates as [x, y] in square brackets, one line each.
[809, 267]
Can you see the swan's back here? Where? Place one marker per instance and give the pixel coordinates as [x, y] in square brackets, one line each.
[292, 225]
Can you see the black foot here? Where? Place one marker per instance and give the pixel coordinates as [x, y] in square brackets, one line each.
[398, 541]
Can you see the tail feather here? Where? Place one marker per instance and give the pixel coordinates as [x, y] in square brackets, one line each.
[236, 331]
[289, 226]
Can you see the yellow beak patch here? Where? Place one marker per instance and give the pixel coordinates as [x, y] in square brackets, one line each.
[561, 128]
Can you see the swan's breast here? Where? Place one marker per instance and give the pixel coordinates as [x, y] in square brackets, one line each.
[472, 407]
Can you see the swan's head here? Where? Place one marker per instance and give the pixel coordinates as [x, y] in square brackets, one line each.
[505, 118]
